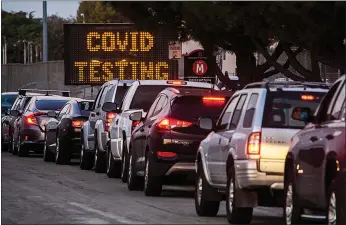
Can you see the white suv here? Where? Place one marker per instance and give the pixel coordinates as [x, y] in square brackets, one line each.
[139, 96]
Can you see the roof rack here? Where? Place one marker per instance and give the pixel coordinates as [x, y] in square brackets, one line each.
[287, 84]
[24, 91]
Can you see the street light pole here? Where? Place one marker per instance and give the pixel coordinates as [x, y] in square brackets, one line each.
[45, 41]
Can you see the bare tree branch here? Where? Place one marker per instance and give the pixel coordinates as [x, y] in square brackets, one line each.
[274, 63]
[265, 66]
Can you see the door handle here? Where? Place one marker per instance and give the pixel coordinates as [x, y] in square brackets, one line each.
[220, 141]
[313, 138]
[116, 122]
[330, 136]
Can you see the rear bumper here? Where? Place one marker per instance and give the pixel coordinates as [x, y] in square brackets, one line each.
[248, 176]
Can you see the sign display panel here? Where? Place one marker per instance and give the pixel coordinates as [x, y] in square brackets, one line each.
[96, 53]
[200, 68]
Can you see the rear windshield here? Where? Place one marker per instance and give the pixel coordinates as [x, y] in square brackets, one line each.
[145, 95]
[119, 95]
[50, 104]
[191, 108]
[85, 108]
[279, 107]
[7, 100]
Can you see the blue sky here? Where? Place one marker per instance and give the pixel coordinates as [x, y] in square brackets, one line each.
[65, 8]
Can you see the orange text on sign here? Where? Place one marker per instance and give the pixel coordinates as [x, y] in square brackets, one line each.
[119, 41]
[98, 71]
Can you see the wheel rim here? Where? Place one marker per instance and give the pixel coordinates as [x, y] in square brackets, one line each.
[130, 168]
[230, 195]
[146, 176]
[57, 148]
[109, 160]
[332, 209]
[199, 190]
[289, 204]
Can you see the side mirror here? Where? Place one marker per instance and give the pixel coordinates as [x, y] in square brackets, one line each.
[136, 116]
[51, 114]
[206, 123]
[110, 107]
[4, 110]
[302, 114]
[14, 113]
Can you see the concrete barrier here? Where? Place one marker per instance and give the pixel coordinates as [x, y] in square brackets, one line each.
[41, 75]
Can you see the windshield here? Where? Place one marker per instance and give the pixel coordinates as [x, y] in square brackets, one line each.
[191, 108]
[7, 100]
[50, 104]
[279, 107]
[85, 108]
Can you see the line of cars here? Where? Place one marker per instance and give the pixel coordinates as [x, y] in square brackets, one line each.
[259, 146]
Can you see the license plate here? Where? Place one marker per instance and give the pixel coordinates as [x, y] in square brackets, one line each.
[77, 129]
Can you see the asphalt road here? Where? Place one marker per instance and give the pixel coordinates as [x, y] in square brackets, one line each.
[36, 192]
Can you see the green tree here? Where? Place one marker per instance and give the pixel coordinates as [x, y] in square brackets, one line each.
[19, 26]
[248, 27]
[98, 12]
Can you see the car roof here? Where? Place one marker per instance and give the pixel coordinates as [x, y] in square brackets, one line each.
[55, 97]
[119, 82]
[9, 93]
[188, 91]
[166, 82]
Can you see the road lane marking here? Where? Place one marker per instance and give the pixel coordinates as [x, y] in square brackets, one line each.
[119, 219]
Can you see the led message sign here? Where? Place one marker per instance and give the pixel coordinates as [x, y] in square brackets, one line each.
[96, 53]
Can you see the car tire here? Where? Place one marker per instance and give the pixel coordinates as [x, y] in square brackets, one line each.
[292, 210]
[332, 202]
[152, 184]
[86, 159]
[235, 215]
[48, 156]
[124, 164]
[99, 160]
[113, 167]
[133, 181]
[203, 206]
[61, 155]
[14, 147]
[22, 149]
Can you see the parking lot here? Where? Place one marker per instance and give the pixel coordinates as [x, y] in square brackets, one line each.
[36, 192]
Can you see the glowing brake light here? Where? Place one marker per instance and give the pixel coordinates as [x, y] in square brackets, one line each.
[168, 124]
[254, 144]
[176, 82]
[77, 123]
[31, 119]
[109, 117]
[166, 154]
[308, 97]
[213, 100]
[134, 125]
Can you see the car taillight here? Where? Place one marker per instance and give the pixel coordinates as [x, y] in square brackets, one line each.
[109, 117]
[168, 123]
[166, 154]
[209, 101]
[31, 119]
[308, 97]
[134, 125]
[77, 123]
[176, 82]
[254, 144]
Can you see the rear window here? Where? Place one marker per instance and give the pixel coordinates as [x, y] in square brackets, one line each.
[145, 95]
[279, 107]
[50, 104]
[191, 108]
[7, 100]
[85, 108]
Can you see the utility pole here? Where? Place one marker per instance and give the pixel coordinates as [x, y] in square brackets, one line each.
[25, 50]
[45, 36]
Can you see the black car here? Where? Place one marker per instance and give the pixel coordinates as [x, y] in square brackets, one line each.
[7, 100]
[28, 132]
[163, 146]
[63, 131]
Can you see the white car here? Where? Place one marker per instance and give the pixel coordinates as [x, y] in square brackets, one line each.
[139, 96]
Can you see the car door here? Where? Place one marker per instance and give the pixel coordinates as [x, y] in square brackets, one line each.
[212, 154]
[138, 135]
[93, 118]
[311, 153]
[226, 138]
